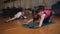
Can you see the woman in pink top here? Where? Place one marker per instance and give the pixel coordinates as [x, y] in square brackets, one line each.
[43, 14]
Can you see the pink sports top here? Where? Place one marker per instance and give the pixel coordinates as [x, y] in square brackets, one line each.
[47, 12]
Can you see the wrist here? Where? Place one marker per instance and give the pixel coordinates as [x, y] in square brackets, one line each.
[40, 25]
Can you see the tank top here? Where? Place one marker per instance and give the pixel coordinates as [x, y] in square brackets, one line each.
[47, 12]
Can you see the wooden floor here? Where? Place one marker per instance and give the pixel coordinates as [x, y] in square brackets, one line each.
[15, 28]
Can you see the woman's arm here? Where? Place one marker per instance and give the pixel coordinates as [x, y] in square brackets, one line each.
[41, 20]
[11, 19]
[16, 16]
[29, 21]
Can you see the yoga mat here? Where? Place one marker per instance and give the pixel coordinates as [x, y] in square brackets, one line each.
[30, 25]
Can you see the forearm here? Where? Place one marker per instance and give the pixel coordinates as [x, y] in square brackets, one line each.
[11, 19]
[41, 20]
[29, 21]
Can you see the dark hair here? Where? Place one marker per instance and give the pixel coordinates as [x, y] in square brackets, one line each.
[40, 8]
[37, 11]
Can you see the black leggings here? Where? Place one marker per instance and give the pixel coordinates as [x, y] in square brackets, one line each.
[47, 19]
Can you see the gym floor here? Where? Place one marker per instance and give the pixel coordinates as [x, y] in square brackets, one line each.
[14, 27]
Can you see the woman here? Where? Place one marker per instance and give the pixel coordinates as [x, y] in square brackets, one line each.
[43, 14]
[19, 13]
